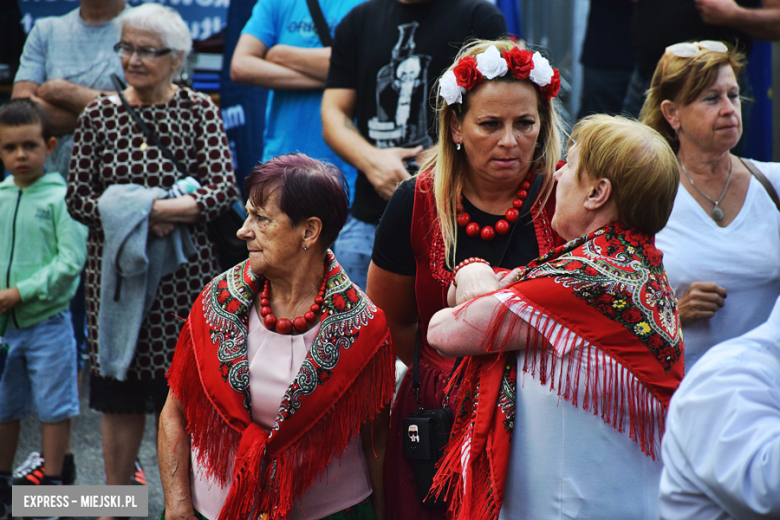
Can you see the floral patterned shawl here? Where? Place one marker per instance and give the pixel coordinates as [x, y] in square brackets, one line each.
[346, 379]
[605, 292]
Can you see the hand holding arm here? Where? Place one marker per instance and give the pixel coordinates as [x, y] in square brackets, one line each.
[700, 302]
[63, 121]
[173, 451]
[502, 276]
[66, 95]
[474, 280]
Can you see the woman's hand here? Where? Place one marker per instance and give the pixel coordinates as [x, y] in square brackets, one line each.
[700, 302]
[474, 280]
[161, 229]
[506, 279]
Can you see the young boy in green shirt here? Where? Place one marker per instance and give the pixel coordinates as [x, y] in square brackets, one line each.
[42, 252]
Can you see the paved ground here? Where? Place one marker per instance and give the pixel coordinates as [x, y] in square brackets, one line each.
[88, 451]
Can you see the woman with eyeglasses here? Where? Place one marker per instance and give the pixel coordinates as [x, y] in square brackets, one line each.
[722, 242]
[120, 185]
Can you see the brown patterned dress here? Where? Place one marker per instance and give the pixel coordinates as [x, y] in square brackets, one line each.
[108, 149]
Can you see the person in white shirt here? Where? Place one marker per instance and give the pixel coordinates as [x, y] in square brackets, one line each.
[722, 242]
[721, 450]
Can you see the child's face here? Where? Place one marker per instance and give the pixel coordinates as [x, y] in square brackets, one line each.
[23, 151]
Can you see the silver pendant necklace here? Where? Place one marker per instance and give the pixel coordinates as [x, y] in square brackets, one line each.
[716, 214]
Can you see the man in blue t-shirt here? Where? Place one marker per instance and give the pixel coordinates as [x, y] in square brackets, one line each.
[279, 49]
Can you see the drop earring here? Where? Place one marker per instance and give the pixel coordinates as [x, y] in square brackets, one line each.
[457, 146]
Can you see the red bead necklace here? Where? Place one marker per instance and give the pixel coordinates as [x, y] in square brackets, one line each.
[285, 326]
[502, 227]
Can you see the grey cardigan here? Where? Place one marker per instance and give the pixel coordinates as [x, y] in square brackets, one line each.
[133, 263]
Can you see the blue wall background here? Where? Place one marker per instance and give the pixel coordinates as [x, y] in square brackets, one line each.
[205, 17]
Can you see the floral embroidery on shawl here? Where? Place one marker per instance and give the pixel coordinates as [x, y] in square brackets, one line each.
[602, 318]
[346, 380]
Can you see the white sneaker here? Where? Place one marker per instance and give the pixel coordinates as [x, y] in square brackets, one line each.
[34, 461]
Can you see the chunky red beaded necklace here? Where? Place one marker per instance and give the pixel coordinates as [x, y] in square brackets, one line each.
[488, 233]
[285, 326]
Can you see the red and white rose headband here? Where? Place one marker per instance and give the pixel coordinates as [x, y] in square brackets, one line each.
[522, 64]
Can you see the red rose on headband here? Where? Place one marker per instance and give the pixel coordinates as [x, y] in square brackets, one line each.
[551, 90]
[519, 61]
[466, 73]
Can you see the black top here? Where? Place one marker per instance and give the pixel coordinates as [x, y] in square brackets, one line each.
[393, 243]
[660, 23]
[391, 54]
[608, 38]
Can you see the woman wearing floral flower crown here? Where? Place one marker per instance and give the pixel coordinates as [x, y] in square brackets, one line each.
[482, 194]
[724, 219]
[280, 369]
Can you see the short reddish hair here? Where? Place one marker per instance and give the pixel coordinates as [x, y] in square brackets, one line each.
[307, 188]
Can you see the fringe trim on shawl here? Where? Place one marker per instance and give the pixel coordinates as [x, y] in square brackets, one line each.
[611, 389]
[466, 473]
[276, 481]
[463, 466]
[216, 441]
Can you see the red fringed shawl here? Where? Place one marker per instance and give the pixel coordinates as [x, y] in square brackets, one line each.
[606, 294]
[346, 379]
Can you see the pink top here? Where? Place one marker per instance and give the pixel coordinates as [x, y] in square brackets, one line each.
[274, 361]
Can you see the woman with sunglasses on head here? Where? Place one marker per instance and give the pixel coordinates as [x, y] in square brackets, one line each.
[722, 242]
[114, 160]
[482, 197]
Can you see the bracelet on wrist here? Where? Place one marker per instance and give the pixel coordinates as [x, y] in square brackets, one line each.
[467, 261]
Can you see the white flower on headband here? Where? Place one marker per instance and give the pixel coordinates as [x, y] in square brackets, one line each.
[449, 88]
[491, 64]
[542, 73]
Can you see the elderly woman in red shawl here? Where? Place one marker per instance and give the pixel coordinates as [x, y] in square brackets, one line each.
[280, 369]
[575, 356]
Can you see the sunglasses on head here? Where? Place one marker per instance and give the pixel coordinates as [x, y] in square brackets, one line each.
[688, 49]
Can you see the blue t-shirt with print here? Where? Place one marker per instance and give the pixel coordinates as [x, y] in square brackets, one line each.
[292, 117]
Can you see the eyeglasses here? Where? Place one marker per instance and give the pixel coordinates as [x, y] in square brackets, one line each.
[126, 50]
[688, 49]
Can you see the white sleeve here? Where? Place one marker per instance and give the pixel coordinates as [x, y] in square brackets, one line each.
[726, 424]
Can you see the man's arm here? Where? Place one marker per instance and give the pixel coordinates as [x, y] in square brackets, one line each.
[384, 168]
[313, 62]
[62, 121]
[762, 23]
[251, 65]
[66, 95]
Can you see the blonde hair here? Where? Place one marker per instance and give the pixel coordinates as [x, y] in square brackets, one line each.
[681, 81]
[449, 167]
[638, 162]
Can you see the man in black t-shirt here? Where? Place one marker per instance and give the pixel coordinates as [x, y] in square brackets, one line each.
[607, 58]
[385, 60]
